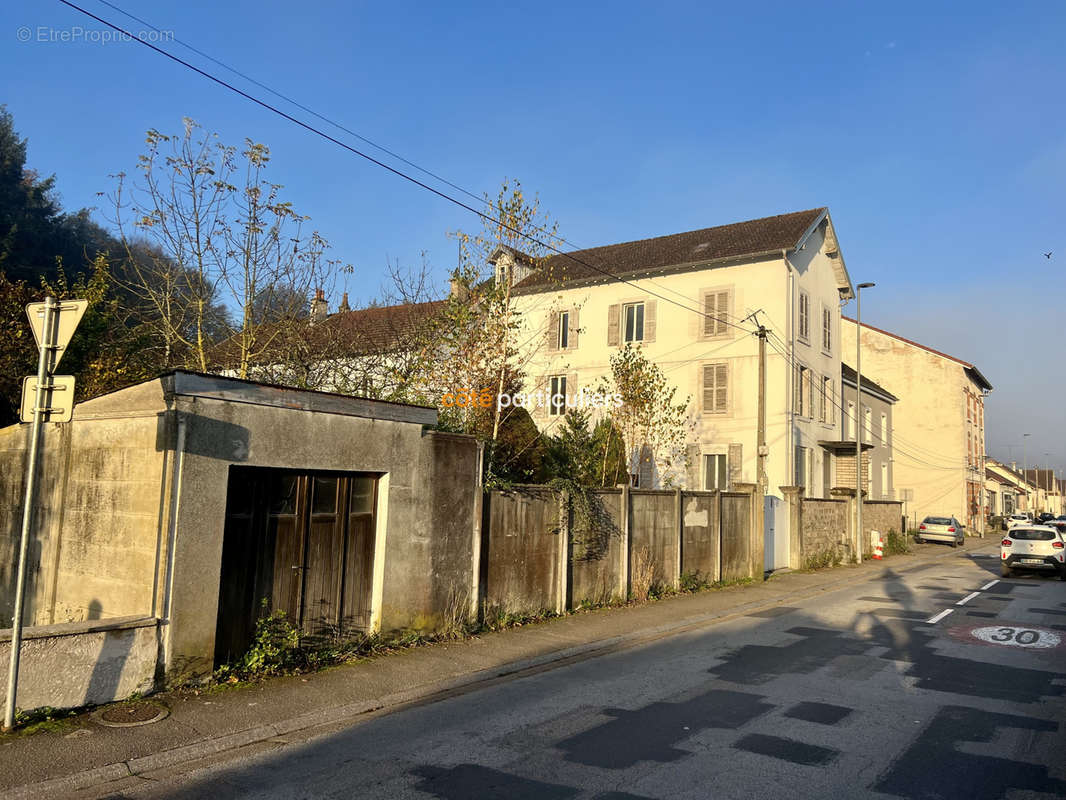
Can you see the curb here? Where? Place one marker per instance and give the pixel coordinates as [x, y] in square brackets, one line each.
[421, 694]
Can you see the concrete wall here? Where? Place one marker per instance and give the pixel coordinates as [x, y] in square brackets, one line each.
[531, 562]
[596, 557]
[99, 518]
[131, 511]
[427, 490]
[85, 663]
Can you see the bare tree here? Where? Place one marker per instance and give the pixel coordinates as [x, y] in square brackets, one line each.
[216, 233]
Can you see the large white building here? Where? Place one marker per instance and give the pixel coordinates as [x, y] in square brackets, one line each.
[938, 423]
[688, 301]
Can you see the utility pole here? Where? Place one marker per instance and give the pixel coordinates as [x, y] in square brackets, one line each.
[763, 451]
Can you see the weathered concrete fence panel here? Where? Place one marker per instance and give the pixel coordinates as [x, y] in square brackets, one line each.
[700, 535]
[521, 550]
[736, 536]
[654, 539]
[595, 550]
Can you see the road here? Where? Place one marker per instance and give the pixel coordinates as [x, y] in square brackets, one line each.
[872, 691]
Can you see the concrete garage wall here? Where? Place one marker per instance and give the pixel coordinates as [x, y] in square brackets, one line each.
[429, 566]
[98, 519]
[86, 663]
[421, 496]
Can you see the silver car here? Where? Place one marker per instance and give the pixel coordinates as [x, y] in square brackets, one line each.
[942, 529]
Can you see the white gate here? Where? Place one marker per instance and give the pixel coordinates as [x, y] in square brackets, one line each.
[775, 533]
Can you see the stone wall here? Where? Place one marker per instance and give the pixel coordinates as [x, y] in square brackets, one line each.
[824, 526]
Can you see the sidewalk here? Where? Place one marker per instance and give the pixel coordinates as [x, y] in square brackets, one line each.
[280, 711]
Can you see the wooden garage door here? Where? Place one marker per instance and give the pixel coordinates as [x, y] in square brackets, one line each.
[297, 542]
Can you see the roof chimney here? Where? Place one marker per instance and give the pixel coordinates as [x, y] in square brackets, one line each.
[457, 289]
[319, 306]
[344, 303]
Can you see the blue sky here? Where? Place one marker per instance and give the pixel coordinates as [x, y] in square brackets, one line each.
[935, 136]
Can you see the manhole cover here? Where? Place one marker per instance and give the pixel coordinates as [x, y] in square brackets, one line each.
[129, 715]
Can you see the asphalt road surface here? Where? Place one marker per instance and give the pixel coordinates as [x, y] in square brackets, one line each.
[872, 691]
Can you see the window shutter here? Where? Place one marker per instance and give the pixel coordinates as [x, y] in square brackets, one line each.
[573, 329]
[736, 464]
[649, 320]
[551, 338]
[613, 325]
[721, 389]
[571, 389]
[715, 313]
[716, 388]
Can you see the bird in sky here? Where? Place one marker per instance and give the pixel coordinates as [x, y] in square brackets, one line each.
[1047, 256]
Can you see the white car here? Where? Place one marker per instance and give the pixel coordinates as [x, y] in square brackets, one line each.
[1040, 548]
[1017, 519]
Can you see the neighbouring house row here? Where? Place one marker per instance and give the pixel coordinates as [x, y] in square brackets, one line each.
[174, 514]
[691, 302]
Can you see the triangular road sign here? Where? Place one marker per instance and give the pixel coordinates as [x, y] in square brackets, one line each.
[66, 314]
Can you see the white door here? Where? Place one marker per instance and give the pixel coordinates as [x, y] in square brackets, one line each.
[775, 533]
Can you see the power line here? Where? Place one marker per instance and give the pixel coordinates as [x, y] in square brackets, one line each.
[399, 173]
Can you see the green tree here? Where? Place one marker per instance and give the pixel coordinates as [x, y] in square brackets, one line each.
[649, 419]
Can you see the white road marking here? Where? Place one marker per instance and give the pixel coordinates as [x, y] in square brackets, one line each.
[989, 585]
[967, 598]
[938, 617]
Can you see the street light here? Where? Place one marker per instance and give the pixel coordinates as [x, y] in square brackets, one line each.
[858, 416]
[1025, 478]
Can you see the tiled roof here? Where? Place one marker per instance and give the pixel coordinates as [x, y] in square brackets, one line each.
[738, 240]
[383, 328]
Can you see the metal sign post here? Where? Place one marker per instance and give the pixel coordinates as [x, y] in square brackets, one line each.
[53, 329]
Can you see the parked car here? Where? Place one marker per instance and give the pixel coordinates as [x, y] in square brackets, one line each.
[1040, 548]
[1044, 517]
[1017, 519]
[942, 529]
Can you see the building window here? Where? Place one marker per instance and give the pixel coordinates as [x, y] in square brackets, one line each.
[715, 388]
[867, 424]
[557, 395]
[884, 481]
[803, 380]
[826, 414]
[884, 429]
[808, 393]
[715, 472]
[633, 320]
[715, 313]
[827, 330]
[805, 317]
[849, 420]
[564, 330]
